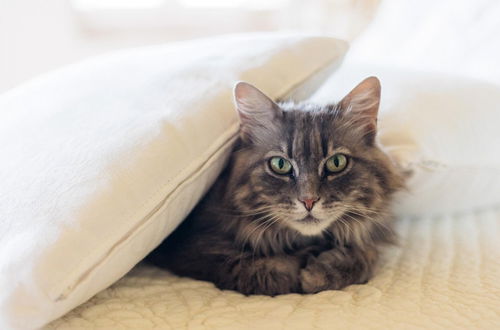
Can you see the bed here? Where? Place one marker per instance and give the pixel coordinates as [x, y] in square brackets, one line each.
[444, 272]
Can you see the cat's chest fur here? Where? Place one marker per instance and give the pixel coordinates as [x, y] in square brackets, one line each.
[261, 239]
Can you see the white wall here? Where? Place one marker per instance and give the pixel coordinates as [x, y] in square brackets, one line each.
[37, 36]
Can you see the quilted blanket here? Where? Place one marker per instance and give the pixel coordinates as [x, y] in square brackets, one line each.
[445, 273]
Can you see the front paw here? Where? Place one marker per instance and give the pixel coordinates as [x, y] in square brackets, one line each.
[268, 276]
[335, 269]
[312, 282]
[316, 277]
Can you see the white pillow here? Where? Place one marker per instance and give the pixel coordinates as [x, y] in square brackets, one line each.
[101, 160]
[445, 129]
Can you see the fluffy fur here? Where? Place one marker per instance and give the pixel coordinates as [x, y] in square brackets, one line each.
[252, 233]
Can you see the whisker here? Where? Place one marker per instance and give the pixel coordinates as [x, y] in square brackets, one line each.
[272, 221]
[346, 225]
[263, 220]
[377, 221]
[244, 213]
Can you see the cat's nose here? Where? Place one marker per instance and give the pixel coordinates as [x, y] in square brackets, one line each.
[309, 202]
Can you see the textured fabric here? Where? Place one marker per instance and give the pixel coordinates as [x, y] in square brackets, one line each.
[444, 275]
[101, 160]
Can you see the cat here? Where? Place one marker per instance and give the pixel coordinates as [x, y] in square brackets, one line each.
[303, 204]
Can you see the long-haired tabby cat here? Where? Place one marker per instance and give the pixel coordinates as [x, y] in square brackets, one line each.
[302, 205]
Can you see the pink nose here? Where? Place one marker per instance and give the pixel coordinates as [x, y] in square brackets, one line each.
[309, 202]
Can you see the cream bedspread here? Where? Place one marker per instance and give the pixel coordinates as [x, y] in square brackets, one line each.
[444, 274]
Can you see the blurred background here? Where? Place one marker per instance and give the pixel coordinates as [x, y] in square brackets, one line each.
[459, 36]
[38, 36]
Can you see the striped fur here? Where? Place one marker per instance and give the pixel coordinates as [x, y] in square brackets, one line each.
[250, 234]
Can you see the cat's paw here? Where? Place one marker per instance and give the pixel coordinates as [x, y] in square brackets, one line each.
[269, 276]
[328, 271]
[333, 270]
[312, 282]
[318, 276]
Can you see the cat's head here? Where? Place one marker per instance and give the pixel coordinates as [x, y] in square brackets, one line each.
[307, 166]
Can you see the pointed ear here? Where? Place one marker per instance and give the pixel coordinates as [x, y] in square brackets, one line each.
[363, 104]
[259, 115]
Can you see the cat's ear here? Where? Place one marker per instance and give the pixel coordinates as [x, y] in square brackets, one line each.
[259, 115]
[363, 103]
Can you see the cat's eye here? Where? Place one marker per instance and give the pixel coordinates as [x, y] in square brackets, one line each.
[336, 163]
[280, 165]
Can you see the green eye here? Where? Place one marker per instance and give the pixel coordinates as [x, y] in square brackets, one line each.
[336, 163]
[280, 165]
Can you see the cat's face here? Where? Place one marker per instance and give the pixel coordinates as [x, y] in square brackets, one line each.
[306, 166]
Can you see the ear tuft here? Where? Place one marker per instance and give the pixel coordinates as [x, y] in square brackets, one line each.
[363, 104]
[365, 97]
[257, 112]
